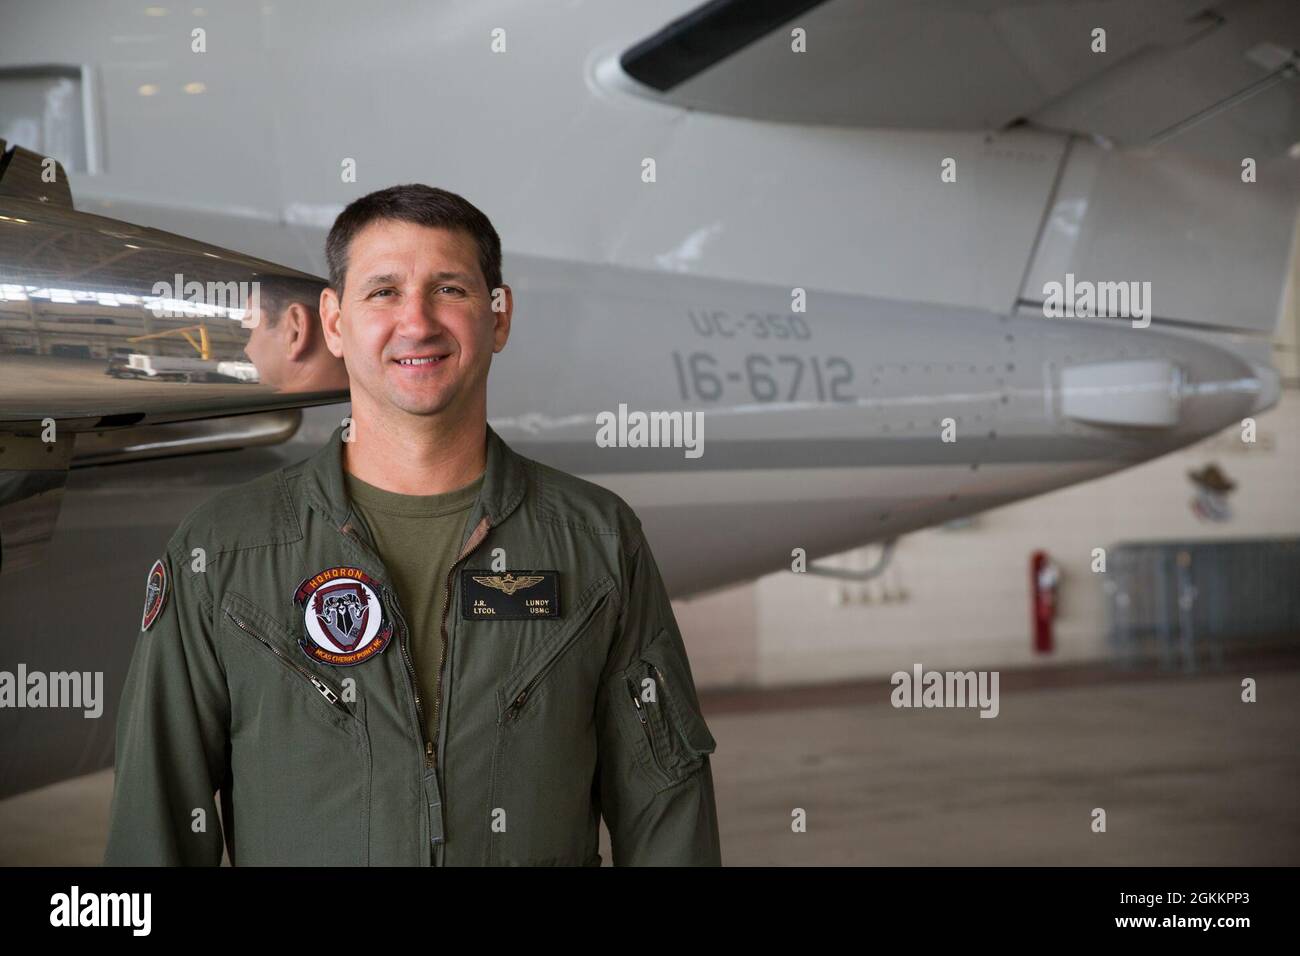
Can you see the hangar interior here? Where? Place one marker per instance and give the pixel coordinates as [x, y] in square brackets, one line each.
[794, 673]
[1132, 713]
[1132, 642]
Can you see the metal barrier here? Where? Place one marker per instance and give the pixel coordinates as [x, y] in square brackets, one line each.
[1182, 601]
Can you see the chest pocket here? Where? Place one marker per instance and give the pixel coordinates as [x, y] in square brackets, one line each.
[544, 760]
[261, 631]
[300, 756]
[524, 682]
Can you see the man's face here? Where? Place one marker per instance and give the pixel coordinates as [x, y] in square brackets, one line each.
[414, 321]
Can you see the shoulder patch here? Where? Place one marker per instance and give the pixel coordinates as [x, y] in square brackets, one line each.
[155, 594]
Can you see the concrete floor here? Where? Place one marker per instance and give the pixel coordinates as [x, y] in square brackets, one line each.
[1187, 774]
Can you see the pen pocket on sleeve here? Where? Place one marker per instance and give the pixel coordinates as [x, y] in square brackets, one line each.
[660, 697]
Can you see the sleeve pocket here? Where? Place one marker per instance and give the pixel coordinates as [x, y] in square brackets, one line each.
[663, 704]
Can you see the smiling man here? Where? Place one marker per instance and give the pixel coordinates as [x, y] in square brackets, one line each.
[417, 647]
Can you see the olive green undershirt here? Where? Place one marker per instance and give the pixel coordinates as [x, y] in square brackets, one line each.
[418, 537]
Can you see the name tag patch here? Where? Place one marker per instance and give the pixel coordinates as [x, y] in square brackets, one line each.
[509, 595]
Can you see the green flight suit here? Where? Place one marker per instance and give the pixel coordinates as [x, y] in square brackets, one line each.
[544, 724]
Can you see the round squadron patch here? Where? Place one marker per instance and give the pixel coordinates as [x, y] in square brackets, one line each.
[155, 594]
[343, 618]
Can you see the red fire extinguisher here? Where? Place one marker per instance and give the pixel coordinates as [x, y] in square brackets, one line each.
[1044, 576]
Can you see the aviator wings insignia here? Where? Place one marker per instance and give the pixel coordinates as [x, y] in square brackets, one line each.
[508, 582]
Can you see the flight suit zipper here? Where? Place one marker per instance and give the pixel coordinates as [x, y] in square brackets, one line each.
[475, 539]
[512, 712]
[348, 532]
[589, 606]
[429, 776]
[323, 688]
[646, 726]
[403, 643]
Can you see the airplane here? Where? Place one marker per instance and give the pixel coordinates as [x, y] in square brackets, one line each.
[839, 231]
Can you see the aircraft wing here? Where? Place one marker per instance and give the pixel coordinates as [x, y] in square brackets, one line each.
[1181, 122]
[1166, 67]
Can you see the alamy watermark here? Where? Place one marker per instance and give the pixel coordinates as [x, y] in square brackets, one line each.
[635, 429]
[176, 298]
[75, 908]
[24, 688]
[1071, 299]
[922, 688]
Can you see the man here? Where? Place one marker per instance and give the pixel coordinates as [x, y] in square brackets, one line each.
[287, 344]
[416, 647]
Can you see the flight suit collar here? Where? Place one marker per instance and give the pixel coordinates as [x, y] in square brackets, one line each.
[505, 481]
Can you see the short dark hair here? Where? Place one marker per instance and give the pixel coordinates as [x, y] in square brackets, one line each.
[277, 293]
[424, 206]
